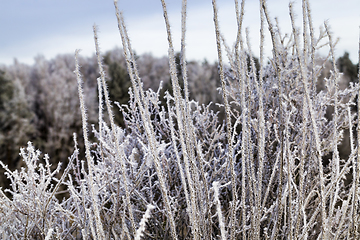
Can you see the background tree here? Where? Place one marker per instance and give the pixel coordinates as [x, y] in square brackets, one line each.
[346, 66]
[15, 118]
[118, 86]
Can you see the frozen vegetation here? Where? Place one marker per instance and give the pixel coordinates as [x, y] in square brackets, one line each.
[270, 168]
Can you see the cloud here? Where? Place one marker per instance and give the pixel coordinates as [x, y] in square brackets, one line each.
[46, 28]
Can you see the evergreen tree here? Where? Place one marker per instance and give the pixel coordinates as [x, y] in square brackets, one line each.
[15, 128]
[118, 85]
[168, 85]
[347, 67]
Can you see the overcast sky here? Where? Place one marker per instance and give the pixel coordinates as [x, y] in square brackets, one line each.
[42, 27]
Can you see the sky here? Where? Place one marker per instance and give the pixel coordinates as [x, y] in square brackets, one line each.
[41, 27]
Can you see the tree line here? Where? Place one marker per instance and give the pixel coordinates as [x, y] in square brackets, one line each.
[39, 102]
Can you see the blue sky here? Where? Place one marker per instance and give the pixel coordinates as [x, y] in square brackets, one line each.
[33, 27]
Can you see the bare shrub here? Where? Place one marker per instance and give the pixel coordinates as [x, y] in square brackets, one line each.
[271, 170]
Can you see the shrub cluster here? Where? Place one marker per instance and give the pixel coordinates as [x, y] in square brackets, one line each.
[270, 170]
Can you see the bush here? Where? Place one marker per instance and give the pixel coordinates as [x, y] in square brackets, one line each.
[272, 170]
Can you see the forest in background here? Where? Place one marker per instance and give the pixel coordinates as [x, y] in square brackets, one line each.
[39, 102]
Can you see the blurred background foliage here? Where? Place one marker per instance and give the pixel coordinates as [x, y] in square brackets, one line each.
[39, 103]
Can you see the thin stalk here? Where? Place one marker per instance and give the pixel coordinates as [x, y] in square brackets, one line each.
[306, 18]
[261, 115]
[336, 158]
[301, 173]
[119, 152]
[189, 127]
[180, 115]
[178, 160]
[261, 141]
[218, 211]
[315, 129]
[145, 115]
[279, 72]
[289, 177]
[240, 72]
[99, 228]
[230, 158]
[312, 50]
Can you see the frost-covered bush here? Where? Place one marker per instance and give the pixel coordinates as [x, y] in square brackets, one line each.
[271, 170]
